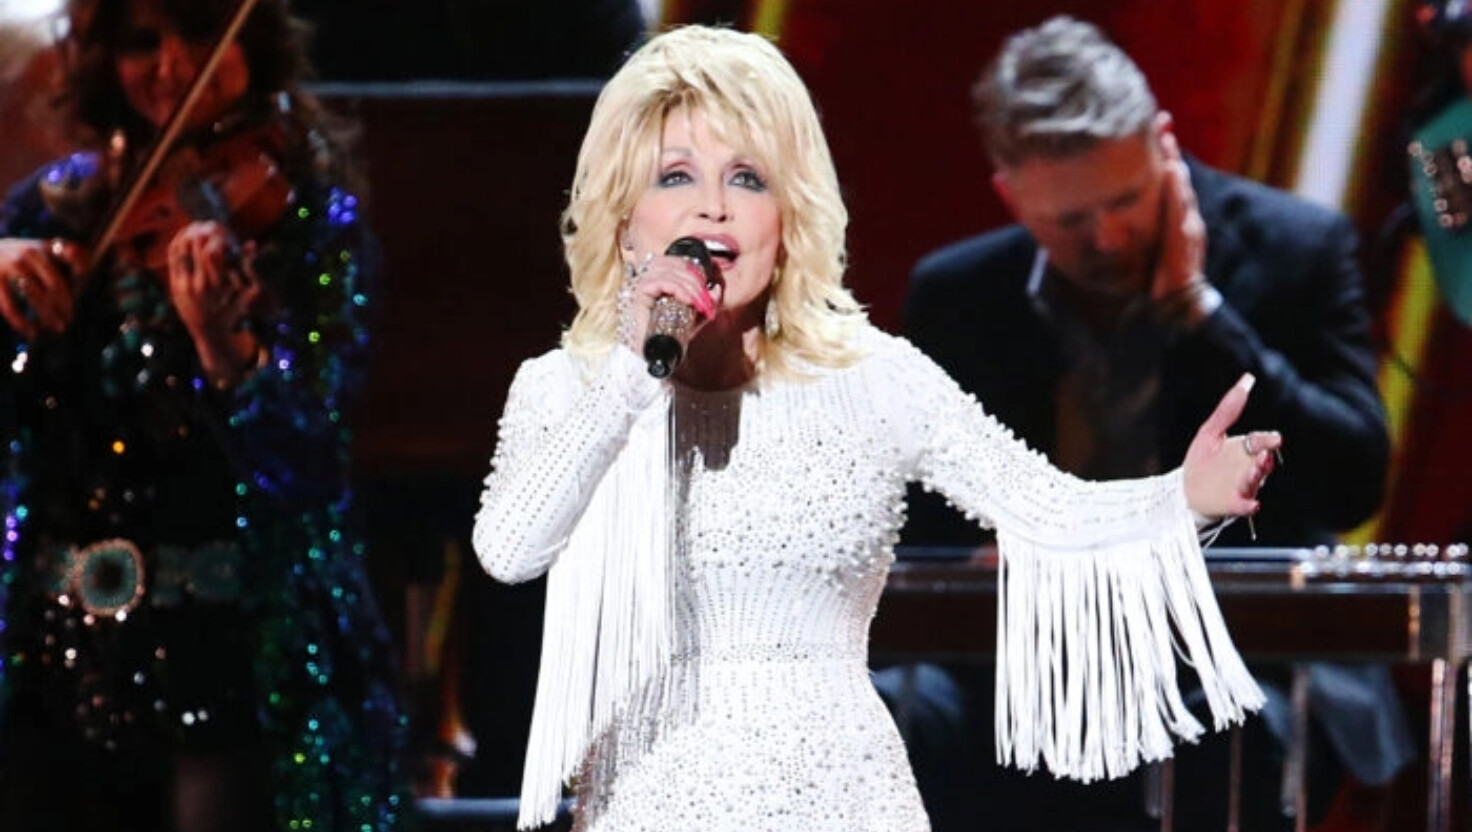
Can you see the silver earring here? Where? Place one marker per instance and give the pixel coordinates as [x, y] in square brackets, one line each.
[625, 242]
[771, 323]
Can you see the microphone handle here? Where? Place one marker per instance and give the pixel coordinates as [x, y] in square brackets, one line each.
[669, 320]
[669, 325]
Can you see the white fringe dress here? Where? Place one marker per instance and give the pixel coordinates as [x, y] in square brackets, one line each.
[704, 659]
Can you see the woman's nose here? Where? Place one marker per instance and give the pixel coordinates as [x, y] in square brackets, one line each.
[175, 60]
[713, 200]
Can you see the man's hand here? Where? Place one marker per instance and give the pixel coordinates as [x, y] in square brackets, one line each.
[1182, 230]
[1180, 294]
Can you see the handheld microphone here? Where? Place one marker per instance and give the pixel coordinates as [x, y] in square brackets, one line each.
[670, 320]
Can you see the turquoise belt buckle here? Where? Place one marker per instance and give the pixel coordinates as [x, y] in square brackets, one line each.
[107, 578]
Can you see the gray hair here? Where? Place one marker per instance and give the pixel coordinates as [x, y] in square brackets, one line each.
[1059, 89]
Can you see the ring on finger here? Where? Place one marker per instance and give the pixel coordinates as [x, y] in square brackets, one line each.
[1247, 445]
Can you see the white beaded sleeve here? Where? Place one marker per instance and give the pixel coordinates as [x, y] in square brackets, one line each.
[558, 435]
[578, 490]
[1101, 584]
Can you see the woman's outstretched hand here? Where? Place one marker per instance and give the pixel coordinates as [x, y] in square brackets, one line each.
[1223, 473]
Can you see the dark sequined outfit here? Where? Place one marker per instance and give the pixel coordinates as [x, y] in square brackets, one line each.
[180, 570]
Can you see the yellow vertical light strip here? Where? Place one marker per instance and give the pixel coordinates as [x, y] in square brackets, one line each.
[1414, 305]
[768, 18]
[1397, 35]
[1266, 140]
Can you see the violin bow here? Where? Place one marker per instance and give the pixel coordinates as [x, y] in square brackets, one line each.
[124, 204]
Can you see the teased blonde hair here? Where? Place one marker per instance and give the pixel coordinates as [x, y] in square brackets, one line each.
[753, 100]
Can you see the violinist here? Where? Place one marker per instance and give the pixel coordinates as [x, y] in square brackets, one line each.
[188, 638]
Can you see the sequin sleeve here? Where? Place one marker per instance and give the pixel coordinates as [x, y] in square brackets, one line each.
[23, 215]
[557, 437]
[286, 427]
[287, 424]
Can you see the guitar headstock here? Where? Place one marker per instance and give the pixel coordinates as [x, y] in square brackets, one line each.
[1447, 173]
[1440, 158]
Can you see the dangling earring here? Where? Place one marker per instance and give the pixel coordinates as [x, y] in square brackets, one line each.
[625, 242]
[771, 324]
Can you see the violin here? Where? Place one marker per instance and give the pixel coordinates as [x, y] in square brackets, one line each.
[235, 180]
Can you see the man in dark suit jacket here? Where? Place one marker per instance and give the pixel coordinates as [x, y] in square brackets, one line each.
[995, 312]
[1136, 285]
